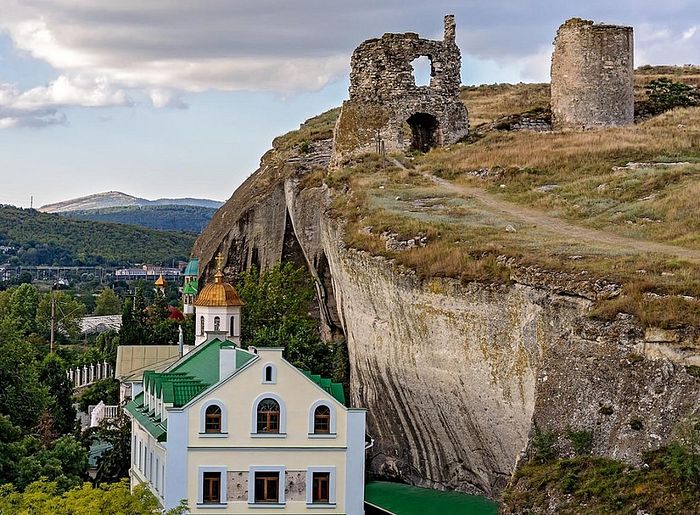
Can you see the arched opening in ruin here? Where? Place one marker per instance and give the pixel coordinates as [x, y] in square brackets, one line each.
[422, 70]
[424, 131]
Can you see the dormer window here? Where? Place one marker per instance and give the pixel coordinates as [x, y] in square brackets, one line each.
[212, 419]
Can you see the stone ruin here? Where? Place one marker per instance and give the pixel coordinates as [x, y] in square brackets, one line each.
[592, 76]
[387, 111]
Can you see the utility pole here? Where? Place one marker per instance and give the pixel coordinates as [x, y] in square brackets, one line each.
[53, 316]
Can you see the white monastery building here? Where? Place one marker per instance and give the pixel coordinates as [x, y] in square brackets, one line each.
[243, 431]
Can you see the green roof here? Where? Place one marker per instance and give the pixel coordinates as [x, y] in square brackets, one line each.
[191, 287]
[335, 389]
[192, 268]
[136, 408]
[399, 499]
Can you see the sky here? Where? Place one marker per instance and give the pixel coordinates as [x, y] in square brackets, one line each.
[174, 98]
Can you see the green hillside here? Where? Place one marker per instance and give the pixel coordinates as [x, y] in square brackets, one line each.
[164, 218]
[47, 239]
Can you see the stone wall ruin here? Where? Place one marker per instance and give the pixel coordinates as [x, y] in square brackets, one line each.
[592, 76]
[387, 111]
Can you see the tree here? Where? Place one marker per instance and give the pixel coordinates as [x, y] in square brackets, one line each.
[65, 462]
[114, 463]
[105, 390]
[276, 314]
[107, 344]
[23, 305]
[46, 498]
[52, 374]
[107, 303]
[22, 397]
[68, 313]
[129, 332]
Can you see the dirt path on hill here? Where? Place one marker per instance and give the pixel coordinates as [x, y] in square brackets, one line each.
[559, 226]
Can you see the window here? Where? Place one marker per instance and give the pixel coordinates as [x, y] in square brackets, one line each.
[320, 488]
[322, 419]
[267, 487]
[211, 487]
[269, 373]
[268, 416]
[217, 323]
[212, 419]
[201, 326]
[232, 326]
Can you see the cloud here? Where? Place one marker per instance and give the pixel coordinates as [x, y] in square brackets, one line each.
[39, 106]
[164, 50]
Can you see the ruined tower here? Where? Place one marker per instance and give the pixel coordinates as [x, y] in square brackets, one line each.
[592, 76]
[387, 111]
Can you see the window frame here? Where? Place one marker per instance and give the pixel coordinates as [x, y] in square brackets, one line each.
[310, 486]
[332, 426]
[223, 472]
[203, 419]
[212, 418]
[282, 423]
[201, 325]
[273, 374]
[217, 323]
[281, 472]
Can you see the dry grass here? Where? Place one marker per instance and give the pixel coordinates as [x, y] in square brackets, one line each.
[488, 103]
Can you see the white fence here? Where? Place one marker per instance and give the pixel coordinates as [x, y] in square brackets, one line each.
[103, 412]
[88, 374]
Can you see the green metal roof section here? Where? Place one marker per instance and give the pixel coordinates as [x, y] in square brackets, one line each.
[192, 267]
[137, 410]
[203, 363]
[400, 499]
[243, 357]
[191, 287]
[335, 389]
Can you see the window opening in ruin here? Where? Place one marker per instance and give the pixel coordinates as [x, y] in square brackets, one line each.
[424, 131]
[422, 70]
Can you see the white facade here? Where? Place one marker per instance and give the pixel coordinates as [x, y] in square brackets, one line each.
[263, 438]
[224, 321]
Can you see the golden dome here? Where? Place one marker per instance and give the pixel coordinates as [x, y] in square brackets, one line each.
[160, 281]
[218, 294]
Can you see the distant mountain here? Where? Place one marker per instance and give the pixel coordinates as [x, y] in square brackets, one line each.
[110, 199]
[169, 217]
[34, 238]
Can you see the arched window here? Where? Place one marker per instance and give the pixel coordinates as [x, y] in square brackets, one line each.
[212, 419]
[217, 323]
[232, 326]
[322, 419]
[201, 326]
[268, 416]
[269, 373]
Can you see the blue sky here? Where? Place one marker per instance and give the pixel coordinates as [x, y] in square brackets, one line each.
[168, 99]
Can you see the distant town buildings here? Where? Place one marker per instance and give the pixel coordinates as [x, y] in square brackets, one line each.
[147, 273]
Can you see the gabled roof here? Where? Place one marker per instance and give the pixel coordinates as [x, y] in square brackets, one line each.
[156, 428]
[191, 287]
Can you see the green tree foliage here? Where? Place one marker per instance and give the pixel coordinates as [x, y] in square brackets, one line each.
[52, 374]
[46, 498]
[105, 390]
[148, 324]
[22, 308]
[68, 313]
[65, 462]
[22, 397]
[664, 94]
[192, 219]
[47, 239]
[276, 314]
[107, 303]
[114, 463]
[107, 344]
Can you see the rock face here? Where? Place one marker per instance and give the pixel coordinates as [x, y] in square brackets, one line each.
[592, 76]
[456, 377]
[387, 111]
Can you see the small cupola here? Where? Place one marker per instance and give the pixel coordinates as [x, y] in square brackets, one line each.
[218, 308]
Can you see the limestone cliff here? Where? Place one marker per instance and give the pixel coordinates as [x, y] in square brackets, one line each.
[455, 377]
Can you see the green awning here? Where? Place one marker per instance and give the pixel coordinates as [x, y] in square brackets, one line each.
[400, 499]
